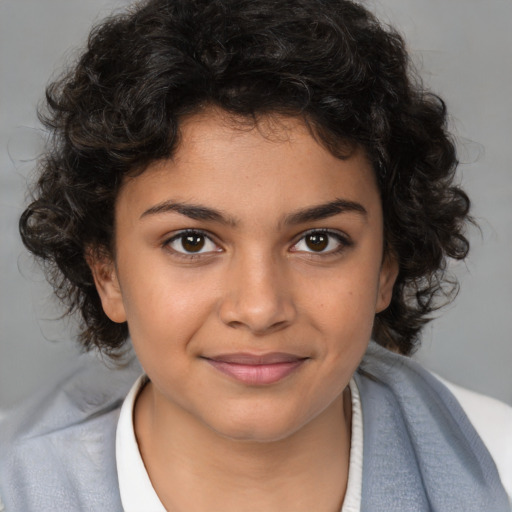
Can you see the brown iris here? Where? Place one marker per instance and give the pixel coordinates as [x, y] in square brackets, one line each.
[317, 241]
[193, 243]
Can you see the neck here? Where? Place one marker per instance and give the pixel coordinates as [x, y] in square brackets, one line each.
[307, 470]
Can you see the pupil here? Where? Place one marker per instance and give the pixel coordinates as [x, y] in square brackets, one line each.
[193, 243]
[317, 241]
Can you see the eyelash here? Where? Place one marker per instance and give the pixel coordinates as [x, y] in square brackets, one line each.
[342, 240]
[182, 235]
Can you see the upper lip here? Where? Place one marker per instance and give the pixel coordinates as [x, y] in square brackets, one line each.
[257, 359]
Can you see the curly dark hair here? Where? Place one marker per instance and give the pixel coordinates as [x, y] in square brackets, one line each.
[329, 62]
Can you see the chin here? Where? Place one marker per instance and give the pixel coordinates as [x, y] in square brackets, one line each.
[258, 427]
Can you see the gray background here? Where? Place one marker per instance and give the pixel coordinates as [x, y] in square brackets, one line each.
[464, 51]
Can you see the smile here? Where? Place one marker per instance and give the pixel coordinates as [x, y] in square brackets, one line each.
[257, 370]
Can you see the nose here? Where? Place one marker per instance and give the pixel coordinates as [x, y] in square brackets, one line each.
[258, 295]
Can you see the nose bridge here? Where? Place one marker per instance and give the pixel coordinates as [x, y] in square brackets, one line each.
[258, 295]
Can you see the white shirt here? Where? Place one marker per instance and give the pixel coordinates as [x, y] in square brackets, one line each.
[137, 493]
[491, 419]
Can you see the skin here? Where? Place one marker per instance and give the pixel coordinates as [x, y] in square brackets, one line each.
[258, 285]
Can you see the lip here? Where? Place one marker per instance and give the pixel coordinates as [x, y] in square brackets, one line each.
[257, 369]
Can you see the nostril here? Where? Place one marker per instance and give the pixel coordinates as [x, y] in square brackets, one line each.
[261, 330]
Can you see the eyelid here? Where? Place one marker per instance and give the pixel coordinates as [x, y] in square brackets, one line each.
[342, 238]
[190, 231]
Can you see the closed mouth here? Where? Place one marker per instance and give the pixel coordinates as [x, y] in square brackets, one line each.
[257, 370]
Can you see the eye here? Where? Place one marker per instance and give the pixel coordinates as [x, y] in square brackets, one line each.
[191, 243]
[321, 242]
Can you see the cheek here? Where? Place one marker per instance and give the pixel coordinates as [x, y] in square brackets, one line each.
[346, 301]
[165, 307]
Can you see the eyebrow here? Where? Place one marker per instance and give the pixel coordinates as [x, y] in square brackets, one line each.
[313, 213]
[192, 211]
[324, 211]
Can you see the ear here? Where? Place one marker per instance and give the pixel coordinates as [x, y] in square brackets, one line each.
[387, 278]
[107, 284]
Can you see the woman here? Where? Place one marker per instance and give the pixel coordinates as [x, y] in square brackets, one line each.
[251, 191]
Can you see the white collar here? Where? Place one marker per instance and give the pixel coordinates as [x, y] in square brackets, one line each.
[137, 492]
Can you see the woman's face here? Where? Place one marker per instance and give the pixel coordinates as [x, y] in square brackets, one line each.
[249, 268]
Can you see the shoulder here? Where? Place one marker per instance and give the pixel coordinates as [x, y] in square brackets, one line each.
[90, 388]
[492, 420]
[412, 420]
[57, 451]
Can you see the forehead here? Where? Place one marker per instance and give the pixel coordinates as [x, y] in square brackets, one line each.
[275, 164]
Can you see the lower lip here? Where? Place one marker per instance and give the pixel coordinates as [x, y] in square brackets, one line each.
[257, 374]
